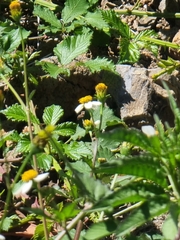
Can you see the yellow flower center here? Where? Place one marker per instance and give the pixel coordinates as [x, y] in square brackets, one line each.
[87, 123]
[85, 99]
[29, 175]
[101, 87]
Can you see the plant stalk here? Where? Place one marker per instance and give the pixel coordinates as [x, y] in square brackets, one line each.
[146, 13]
[30, 132]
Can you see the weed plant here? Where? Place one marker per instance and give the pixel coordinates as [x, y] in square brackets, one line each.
[90, 180]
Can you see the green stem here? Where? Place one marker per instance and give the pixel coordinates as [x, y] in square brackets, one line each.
[161, 42]
[146, 13]
[128, 209]
[30, 131]
[14, 92]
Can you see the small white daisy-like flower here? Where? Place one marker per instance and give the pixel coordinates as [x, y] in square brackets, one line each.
[148, 130]
[87, 103]
[2, 237]
[27, 181]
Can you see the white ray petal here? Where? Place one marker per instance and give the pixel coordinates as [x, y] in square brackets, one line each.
[41, 177]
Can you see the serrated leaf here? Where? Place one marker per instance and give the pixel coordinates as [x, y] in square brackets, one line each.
[39, 231]
[72, 47]
[16, 113]
[24, 145]
[53, 69]
[99, 64]
[129, 51]
[170, 229]
[6, 223]
[107, 115]
[80, 132]
[105, 153]
[11, 37]
[73, 9]
[77, 150]
[96, 20]
[52, 114]
[115, 23]
[48, 16]
[44, 161]
[141, 166]
[65, 129]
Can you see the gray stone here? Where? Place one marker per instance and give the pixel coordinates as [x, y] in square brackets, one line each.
[140, 97]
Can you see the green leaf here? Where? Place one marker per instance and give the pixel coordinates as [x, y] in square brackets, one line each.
[152, 208]
[129, 51]
[44, 161]
[11, 36]
[101, 229]
[69, 211]
[93, 189]
[72, 47]
[4, 137]
[53, 69]
[73, 9]
[24, 145]
[141, 166]
[81, 167]
[16, 113]
[39, 231]
[108, 115]
[99, 64]
[134, 136]
[77, 150]
[115, 23]
[80, 132]
[65, 129]
[52, 114]
[105, 153]
[170, 229]
[130, 193]
[7, 223]
[48, 16]
[96, 20]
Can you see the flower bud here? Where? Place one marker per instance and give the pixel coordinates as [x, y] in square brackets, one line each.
[15, 10]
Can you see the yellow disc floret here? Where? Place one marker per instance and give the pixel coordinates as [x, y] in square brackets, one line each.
[15, 10]
[85, 99]
[29, 175]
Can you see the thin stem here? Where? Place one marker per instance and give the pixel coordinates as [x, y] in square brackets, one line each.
[146, 13]
[14, 92]
[161, 42]
[128, 209]
[30, 131]
[70, 225]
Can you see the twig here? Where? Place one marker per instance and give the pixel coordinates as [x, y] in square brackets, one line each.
[3, 160]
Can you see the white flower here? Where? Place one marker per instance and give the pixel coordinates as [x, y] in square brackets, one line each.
[89, 105]
[24, 186]
[2, 237]
[148, 130]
